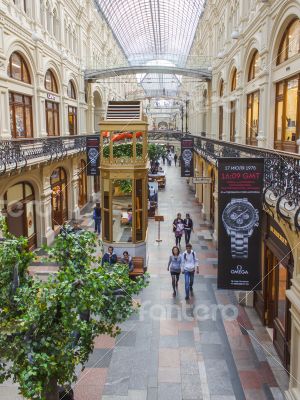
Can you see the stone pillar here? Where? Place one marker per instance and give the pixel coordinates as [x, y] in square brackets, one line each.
[73, 201]
[206, 194]
[4, 110]
[263, 117]
[47, 232]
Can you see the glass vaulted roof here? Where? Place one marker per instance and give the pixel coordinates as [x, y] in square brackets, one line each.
[154, 29]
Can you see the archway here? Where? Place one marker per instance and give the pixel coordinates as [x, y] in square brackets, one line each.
[20, 211]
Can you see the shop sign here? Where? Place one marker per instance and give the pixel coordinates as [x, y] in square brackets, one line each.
[187, 157]
[51, 97]
[93, 155]
[203, 180]
[240, 221]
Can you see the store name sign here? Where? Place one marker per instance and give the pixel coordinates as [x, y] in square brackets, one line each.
[51, 96]
[278, 235]
[202, 180]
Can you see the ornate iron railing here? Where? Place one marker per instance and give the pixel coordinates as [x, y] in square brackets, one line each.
[19, 153]
[281, 170]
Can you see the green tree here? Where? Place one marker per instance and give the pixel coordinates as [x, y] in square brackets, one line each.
[47, 328]
[156, 151]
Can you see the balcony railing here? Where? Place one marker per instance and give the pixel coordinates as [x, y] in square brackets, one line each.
[281, 170]
[20, 153]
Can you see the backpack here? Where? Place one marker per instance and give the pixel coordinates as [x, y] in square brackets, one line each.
[192, 253]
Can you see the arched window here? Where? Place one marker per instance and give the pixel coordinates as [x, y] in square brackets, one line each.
[58, 182]
[254, 66]
[50, 82]
[18, 69]
[71, 90]
[20, 211]
[233, 79]
[290, 42]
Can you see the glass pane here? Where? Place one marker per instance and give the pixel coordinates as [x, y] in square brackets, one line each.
[16, 66]
[50, 123]
[28, 190]
[282, 285]
[138, 194]
[14, 194]
[283, 50]
[280, 89]
[106, 193]
[30, 218]
[56, 123]
[63, 195]
[105, 226]
[255, 114]
[279, 120]
[26, 77]
[294, 39]
[20, 123]
[139, 226]
[48, 81]
[28, 122]
[55, 177]
[122, 210]
[291, 110]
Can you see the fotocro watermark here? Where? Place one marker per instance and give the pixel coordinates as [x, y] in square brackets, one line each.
[189, 313]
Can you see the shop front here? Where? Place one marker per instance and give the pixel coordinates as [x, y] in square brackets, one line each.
[271, 302]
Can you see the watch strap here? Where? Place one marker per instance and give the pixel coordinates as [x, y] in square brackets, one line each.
[239, 245]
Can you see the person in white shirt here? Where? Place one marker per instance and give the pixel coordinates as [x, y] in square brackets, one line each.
[189, 266]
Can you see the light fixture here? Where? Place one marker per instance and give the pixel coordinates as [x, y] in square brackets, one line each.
[209, 68]
[235, 34]
[220, 54]
[35, 36]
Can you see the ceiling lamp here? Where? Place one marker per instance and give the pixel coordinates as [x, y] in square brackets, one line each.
[235, 34]
[220, 54]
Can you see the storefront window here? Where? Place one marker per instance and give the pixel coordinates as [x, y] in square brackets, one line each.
[20, 212]
[252, 118]
[122, 210]
[290, 43]
[58, 182]
[71, 90]
[82, 184]
[20, 109]
[287, 114]
[281, 297]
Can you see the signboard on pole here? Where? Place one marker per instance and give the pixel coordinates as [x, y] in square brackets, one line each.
[240, 220]
[93, 155]
[187, 157]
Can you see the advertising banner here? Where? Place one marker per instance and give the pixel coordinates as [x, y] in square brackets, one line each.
[93, 155]
[240, 221]
[187, 157]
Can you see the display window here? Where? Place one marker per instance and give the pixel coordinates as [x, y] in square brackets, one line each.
[82, 184]
[252, 118]
[20, 110]
[254, 66]
[287, 118]
[59, 202]
[290, 42]
[72, 118]
[18, 69]
[20, 212]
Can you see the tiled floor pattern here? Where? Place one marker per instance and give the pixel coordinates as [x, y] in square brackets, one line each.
[207, 349]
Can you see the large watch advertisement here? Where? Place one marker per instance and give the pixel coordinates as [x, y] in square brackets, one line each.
[240, 190]
[187, 157]
[93, 155]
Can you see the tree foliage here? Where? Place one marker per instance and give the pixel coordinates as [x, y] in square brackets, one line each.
[156, 151]
[47, 328]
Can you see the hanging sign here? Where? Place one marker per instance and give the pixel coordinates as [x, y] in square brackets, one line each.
[93, 155]
[187, 157]
[202, 180]
[240, 220]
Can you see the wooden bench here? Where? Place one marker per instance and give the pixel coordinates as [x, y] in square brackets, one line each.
[138, 267]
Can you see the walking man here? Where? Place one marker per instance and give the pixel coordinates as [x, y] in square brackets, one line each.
[175, 159]
[188, 228]
[97, 218]
[189, 265]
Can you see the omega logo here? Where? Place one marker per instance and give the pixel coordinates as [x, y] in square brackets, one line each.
[239, 270]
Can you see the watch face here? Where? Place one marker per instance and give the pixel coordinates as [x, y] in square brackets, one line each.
[240, 216]
[187, 156]
[93, 154]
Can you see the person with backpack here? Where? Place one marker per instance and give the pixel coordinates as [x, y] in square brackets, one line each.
[174, 266]
[188, 228]
[97, 218]
[189, 266]
[178, 229]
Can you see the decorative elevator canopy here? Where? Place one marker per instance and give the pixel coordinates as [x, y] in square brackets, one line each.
[154, 29]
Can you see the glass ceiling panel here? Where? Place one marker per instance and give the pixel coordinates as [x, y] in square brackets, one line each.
[154, 29]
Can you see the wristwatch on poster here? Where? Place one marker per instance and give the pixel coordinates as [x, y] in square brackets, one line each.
[187, 156]
[240, 218]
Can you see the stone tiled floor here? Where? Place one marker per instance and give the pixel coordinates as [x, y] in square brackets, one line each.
[184, 351]
[208, 349]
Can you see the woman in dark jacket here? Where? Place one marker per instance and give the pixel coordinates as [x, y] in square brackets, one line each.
[188, 228]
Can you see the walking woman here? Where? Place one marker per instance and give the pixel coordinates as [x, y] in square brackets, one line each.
[178, 229]
[174, 266]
